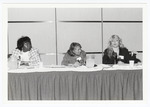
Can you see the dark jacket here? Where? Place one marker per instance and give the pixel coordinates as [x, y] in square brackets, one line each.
[113, 59]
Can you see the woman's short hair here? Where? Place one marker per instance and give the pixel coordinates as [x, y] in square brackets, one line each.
[115, 37]
[21, 41]
[72, 47]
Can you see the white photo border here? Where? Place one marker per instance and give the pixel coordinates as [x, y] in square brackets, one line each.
[5, 7]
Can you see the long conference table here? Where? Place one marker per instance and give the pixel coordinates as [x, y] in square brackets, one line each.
[52, 83]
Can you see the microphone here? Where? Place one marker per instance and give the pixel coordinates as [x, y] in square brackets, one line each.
[115, 57]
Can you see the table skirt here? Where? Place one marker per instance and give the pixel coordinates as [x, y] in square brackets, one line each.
[72, 85]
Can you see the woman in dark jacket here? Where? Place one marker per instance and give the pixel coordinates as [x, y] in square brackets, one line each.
[116, 53]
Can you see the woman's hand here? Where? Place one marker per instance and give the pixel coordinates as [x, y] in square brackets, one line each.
[120, 62]
[76, 64]
[26, 63]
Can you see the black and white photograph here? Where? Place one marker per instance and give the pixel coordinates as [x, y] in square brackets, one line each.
[80, 52]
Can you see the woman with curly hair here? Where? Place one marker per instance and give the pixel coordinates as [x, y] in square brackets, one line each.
[25, 53]
[116, 53]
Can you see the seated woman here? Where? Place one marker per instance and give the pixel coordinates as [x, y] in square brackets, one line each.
[74, 56]
[116, 53]
[25, 53]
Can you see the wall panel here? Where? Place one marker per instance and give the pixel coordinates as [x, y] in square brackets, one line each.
[42, 36]
[31, 14]
[79, 14]
[87, 34]
[131, 34]
[122, 14]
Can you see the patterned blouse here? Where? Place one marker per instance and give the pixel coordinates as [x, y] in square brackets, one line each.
[34, 56]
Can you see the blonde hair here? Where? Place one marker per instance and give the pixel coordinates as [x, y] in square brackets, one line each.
[110, 48]
[115, 37]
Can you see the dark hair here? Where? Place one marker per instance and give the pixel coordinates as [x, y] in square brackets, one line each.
[21, 41]
[72, 46]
